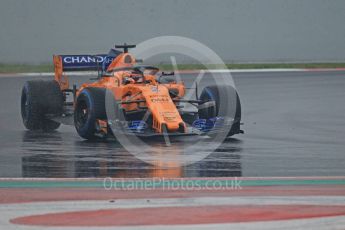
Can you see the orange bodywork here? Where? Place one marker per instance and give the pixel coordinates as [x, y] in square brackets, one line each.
[59, 76]
[151, 94]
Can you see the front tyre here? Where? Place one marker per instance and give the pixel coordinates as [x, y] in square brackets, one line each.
[90, 107]
[226, 104]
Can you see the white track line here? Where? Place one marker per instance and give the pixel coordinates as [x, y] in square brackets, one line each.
[87, 73]
[90, 73]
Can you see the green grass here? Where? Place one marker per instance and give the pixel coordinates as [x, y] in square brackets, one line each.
[180, 183]
[27, 68]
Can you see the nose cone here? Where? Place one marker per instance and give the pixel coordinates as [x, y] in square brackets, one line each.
[163, 109]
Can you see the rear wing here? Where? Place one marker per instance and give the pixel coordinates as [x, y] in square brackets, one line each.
[83, 62]
[63, 63]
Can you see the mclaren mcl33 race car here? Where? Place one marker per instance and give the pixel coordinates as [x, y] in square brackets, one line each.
[137, 98]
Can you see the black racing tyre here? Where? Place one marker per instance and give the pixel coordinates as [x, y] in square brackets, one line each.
[90, 106]
[226, 104]
[39, 99]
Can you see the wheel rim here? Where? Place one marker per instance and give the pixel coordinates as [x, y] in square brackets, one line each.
[208, 96]
[82, 114]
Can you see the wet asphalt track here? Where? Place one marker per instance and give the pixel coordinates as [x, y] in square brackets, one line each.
[294, 126]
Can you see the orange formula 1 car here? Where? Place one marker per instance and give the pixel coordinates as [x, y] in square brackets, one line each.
[141, 100]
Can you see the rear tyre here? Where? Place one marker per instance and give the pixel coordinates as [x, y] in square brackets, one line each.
[226, 104]
[39, 99]
[90, 106]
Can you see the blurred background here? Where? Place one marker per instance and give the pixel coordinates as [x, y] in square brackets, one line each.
[237, 30]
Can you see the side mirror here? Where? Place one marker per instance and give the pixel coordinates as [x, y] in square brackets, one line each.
[172, 73]
[164, 74]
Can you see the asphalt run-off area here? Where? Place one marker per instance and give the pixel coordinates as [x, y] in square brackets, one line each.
[286, 171]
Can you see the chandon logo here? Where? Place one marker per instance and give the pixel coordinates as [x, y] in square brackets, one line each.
[85, 59]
